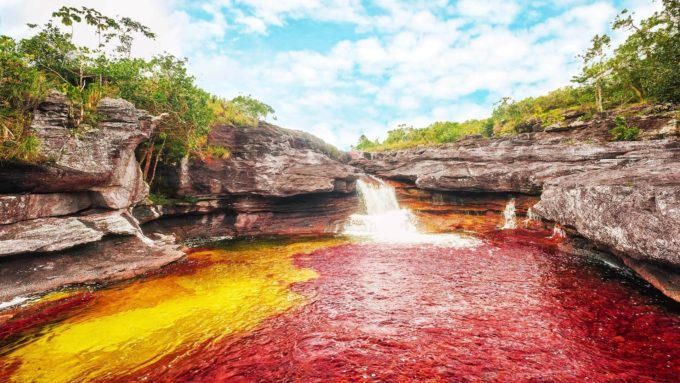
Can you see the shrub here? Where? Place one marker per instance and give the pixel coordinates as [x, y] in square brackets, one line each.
[622, 132]
[217, 151]
[160, 199]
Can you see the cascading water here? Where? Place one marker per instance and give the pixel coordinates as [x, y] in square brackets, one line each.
[531, 218]
[385, 221]
[509, 217]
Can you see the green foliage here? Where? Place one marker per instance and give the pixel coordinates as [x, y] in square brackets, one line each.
[22, 86]
[511, 117]
[50, 60]
[251, 107]
[365, 144]
[487, 129]
[162, 86]
[217, 151]
[645, 67]
[241, 110]
[623, 132]
[440, 132]
[160, 199]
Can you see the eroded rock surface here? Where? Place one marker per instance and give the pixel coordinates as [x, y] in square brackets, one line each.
[632, 210]
[54, 234]
[514, 165]
[275, 182]
[99, 159]
[623, 196]
[265, 160]
[99, 262]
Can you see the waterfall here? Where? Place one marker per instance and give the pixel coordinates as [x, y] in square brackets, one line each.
[509, 217]
[437, 199]
[531, 217]
[558, 232]
[384, 220]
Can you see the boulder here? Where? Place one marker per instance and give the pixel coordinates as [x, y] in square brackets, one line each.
[633, 210]
[99, 159]
[54, 234]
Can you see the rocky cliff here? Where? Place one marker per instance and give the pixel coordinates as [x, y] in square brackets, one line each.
[74, 217]
[624, 197]
[77, 197]
[84, 185]
[275, 181]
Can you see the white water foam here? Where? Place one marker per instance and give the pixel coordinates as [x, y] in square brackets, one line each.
[385, 221]
[13, 302]
[531, 218]
[509, 216]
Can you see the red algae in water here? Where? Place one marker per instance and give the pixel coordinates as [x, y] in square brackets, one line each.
[503, 311]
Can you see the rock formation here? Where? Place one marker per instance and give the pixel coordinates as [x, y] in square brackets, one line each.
[622, 196]
[275, 181]
[81, 190]
[80, 193]
[74, 216]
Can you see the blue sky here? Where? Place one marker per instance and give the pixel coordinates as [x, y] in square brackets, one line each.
[343, 68]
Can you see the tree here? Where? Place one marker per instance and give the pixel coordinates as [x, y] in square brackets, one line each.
[365, 144]
[252, 108]
[596, 67]
[648, 62]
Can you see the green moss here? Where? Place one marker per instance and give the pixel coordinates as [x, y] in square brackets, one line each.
[160, 199]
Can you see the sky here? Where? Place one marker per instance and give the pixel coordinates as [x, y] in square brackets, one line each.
[339, 69]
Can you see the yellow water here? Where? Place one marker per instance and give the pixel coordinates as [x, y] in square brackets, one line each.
[131, 326]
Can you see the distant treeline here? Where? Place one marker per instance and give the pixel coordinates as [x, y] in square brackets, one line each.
[643, 69]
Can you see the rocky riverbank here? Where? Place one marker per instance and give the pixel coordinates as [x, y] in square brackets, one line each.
[623, 197]
[82, 214]
[275, 182]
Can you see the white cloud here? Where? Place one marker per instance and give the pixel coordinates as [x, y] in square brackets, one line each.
[409, 62]
[177, 32]
[495, 11]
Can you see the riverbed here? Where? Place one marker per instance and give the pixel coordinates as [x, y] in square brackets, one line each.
[509, 308]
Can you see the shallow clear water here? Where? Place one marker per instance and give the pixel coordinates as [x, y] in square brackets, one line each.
[509, 309]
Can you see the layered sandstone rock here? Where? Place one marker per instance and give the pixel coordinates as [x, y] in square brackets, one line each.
[81, 190]
[249, 216]
[98, 159]
[111, 259]
[264, 160]
[275, 182]
[633, 210]
[622, 196]
[513, 165]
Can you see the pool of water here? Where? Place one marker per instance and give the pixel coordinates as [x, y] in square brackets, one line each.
[505, 308]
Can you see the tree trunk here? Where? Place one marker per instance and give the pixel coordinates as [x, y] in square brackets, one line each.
[155, 165]
[598, 97]
[147, 159]
[638, 92]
